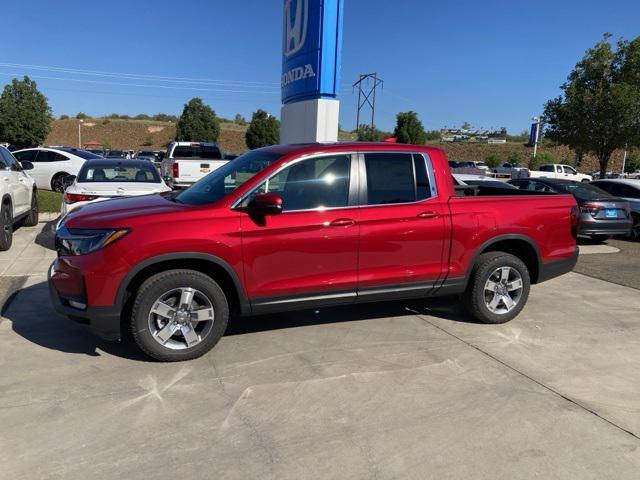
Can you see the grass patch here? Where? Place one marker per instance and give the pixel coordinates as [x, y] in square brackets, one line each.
[49, 201]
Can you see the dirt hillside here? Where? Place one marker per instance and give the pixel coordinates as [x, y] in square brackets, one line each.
[140, 134]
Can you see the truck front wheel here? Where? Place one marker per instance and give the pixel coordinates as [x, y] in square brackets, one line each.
[179, 315]
[498, 288]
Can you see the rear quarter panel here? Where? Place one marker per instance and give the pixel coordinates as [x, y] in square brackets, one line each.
[544, 219]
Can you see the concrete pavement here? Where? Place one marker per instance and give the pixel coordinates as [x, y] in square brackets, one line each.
[397, 390]
[407, 390]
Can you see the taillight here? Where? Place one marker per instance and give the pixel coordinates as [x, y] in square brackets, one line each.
[590, 208]
[575, 221]
[78, 197]
[175, 170]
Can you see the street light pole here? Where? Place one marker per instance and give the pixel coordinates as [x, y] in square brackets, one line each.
[80, 133]
[624, 160]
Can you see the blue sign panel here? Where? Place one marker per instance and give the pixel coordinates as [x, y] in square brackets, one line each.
[534, 134]
[311, 48]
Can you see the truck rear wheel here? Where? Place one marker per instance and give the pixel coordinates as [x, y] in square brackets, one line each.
[498, 288]
[179, 315]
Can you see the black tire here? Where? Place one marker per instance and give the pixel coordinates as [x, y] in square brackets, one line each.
[152, 290]
[34, 216]
[475, 297]
[600, 237]
[57, 182]
[6, 222]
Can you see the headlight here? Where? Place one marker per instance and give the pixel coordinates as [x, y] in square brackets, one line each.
[80, 241]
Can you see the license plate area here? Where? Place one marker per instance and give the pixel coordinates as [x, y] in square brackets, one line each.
[611, 213]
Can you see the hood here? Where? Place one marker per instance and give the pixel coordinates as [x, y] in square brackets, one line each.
[116, 212]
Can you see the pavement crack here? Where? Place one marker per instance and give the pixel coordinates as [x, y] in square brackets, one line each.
[528, 377]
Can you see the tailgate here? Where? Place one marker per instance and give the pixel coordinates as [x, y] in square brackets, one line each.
[194, 169]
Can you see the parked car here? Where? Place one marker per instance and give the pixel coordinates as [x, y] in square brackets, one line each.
[601, 214]
[100, 180]
[473, 164]
[303, 226]
[510, 170]
[480, 181]
[117, 154]
[634, 175]
[18, 195]
[52, 165]
[560, 171]
[629, 190]
[96, 151]
[188, 162]
[147, 155]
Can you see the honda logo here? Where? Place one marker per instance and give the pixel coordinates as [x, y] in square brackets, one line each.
[296, 17]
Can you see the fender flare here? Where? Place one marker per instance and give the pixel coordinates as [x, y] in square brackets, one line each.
[121, 294]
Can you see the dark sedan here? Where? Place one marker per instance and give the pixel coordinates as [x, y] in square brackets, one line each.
[601, 214]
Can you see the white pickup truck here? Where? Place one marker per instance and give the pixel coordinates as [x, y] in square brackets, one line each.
[557, 170]
[19, 203]
[187, 162]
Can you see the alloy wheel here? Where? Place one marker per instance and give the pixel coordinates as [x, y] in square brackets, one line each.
[181, 318]
[503, 290]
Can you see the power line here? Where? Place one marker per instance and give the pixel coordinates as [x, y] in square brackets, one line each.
[136, 85]
[138, 76]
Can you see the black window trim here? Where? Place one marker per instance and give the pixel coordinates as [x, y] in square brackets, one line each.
[354, 181]
[363, 200]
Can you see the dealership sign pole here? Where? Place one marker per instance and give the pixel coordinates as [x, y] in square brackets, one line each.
[311, 51]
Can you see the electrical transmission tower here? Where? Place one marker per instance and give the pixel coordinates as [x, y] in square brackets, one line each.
[367, 85]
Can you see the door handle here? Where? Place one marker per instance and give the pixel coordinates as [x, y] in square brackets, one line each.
[342, 222]
[428, 215]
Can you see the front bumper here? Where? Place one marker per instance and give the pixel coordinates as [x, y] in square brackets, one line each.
[103, 321]
[559, 267]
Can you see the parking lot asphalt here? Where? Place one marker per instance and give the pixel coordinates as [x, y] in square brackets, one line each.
[396, 390]
[622, 267]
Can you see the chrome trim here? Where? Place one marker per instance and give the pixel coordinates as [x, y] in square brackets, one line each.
[309, 298]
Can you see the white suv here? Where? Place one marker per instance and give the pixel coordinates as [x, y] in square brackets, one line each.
[52, 165]
[18, 194]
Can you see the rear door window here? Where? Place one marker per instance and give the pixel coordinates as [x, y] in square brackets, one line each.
[390, 178]
[26, 156]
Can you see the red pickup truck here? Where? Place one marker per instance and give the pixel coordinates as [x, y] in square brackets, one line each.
[304, 226]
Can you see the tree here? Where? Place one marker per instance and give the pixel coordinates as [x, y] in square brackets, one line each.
[197, 123]
[409, 129]
[25, 115]
[514, 158]
[264, 130]
[64, 117]
[239, 120]
[599, 110]
[542, 158]
[367, 133]
[466, 126]
[81, 116]
[632, 163]
[492, 160]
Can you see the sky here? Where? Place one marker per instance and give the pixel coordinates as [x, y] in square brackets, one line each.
[491, 63]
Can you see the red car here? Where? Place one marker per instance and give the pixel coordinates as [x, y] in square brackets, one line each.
[304, 226]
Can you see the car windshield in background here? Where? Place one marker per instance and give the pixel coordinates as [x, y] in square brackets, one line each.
[116, 153]
[195, 150]
[118, 172]
[81, 153]
[584, 191]
[227, 178]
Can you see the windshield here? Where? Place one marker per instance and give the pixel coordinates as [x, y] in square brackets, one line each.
[82, 153]
[197, 150]
[118, 172]
[227, 178]
[584, 191]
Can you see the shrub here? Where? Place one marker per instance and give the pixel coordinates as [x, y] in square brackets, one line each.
[492, 160]
[542, 158]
